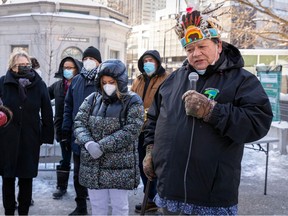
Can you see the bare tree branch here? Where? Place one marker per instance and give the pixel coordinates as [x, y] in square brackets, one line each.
[255, 24]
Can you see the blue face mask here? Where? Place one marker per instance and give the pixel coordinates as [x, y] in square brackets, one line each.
[68, 74]
[149, 68]
[201, 72]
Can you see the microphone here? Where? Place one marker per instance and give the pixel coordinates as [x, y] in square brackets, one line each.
[193, 77]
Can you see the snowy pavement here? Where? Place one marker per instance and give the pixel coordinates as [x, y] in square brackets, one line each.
[251, 198]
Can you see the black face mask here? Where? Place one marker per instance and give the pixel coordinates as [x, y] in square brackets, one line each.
[24, 69]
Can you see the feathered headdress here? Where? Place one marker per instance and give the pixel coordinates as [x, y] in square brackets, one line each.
[194, 26]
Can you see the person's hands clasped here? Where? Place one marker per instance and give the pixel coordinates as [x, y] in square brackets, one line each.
[148, 163]
[94, 149]
[198, 105]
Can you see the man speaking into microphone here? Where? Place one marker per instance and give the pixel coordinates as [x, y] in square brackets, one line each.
[195, 134]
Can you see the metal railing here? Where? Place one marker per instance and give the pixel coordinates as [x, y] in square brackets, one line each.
[50, 155]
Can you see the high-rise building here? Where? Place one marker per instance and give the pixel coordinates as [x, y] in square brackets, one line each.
[138, 12]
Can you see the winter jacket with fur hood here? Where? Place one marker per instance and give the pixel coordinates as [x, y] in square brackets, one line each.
[115, 124]
[242, 114]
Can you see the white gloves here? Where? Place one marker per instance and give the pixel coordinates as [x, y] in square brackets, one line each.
[94, 149]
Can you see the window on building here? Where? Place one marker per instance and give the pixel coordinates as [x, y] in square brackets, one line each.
[19, 47]
[114, 54]
[267, 59]
[73, 52]
[283, 57]
[250, 60]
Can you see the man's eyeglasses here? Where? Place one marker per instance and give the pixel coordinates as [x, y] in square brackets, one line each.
[68, 68]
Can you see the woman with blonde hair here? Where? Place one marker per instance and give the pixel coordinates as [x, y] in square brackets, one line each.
[24, 92]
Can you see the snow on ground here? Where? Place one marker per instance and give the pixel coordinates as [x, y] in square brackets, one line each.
[251, 198]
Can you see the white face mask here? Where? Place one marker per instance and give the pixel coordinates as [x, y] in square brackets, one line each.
[109, 89]
[89, 64]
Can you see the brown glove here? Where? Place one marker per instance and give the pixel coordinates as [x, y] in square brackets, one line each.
[148, 163]
[198, 105]
[5, 116]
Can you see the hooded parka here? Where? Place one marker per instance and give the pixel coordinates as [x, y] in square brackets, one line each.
[115, 125]
[146, 86]
[32, 125]
[214, 153]
[57, 92]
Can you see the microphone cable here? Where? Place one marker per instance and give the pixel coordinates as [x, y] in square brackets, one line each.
[186, 167]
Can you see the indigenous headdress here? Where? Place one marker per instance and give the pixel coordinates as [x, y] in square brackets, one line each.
[193, 26]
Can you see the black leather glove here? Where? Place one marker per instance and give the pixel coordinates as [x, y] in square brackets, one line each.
[66, 140]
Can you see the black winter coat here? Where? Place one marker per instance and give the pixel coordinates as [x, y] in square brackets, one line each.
[32, 125]
[79, 89]
[242, 114]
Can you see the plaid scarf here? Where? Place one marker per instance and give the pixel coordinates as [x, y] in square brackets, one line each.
[90, 75]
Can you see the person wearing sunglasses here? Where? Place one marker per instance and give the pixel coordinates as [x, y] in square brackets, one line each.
[24, 92]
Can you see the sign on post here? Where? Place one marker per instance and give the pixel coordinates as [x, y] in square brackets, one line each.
[271, 82]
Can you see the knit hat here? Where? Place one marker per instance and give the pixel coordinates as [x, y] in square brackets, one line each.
[92, 52]
[194, 26]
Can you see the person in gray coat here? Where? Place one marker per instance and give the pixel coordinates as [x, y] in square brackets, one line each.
[107, 127]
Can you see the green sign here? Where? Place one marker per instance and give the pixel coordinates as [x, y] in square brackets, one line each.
[271, 82]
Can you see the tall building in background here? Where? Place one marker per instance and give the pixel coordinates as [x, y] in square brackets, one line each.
[149, 9]
[138, 12]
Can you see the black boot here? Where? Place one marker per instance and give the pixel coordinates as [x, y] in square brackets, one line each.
[81, 208]
[62, 182]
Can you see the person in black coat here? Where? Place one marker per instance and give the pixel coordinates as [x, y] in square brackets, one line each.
[24, 92]
[68, 68]
[199, 121]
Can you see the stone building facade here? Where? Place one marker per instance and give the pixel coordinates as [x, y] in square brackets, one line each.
[51, 30]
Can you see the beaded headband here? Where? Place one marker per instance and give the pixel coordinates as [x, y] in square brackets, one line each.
[193, 26]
